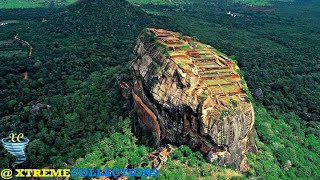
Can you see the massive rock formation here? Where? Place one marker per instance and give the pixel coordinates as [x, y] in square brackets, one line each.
[186, 92]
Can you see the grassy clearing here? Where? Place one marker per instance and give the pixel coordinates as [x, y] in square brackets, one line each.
[260, 2]
[216, 82]
[158, 2]
[16, 4]
[255, 2]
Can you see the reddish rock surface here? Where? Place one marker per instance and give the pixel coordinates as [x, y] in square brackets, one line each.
[186, 93]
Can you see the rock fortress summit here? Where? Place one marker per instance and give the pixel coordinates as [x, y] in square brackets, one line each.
[186, 92]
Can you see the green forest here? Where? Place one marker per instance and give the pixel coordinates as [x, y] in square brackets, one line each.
[16, 4]
[81, 50]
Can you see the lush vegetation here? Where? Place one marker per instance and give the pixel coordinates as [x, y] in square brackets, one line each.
[278, 51]
[254, 2]
[124, 151]
[74, 70]
[158, 2]
[179, 2]
[186, 164]
[81, 50]
[283, 139]
[260, 2]
[76, 73]
[15, 4]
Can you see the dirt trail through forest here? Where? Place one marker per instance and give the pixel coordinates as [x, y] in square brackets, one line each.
[24, 42]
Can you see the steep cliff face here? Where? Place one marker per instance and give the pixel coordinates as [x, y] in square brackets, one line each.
[186, 92]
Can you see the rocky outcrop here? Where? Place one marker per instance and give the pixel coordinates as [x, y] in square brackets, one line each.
[186, 92]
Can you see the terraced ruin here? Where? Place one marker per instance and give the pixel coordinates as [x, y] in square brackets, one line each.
[211, 73]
